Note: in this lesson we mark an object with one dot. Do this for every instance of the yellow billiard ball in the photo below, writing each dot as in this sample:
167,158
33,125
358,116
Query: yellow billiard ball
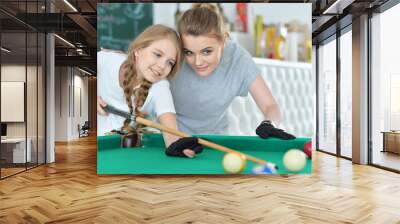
294,160
234,163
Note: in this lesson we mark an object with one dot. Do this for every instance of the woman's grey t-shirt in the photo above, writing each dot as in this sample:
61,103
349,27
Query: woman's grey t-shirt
201,102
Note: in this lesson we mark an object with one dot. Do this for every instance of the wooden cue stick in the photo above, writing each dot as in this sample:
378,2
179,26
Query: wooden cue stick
152,124
201,141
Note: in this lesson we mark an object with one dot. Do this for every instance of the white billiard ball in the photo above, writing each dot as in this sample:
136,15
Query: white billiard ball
294,160
234,163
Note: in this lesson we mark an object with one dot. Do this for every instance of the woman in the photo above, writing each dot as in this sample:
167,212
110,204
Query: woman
216,71
136,82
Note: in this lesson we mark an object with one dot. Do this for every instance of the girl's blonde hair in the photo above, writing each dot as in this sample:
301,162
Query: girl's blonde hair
203,19
128,68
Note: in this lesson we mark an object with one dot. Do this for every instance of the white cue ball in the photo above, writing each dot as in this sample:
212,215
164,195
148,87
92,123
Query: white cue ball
294,160
234,163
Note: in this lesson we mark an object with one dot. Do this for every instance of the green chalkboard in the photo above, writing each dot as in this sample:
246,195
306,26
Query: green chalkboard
119,23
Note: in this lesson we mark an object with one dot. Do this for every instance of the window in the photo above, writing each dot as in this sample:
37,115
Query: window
327,96
385,89
346,75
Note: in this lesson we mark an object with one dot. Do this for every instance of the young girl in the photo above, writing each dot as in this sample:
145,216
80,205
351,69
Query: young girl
216,71
137,83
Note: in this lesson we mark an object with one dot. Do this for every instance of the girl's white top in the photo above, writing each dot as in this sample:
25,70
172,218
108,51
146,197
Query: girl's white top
158,101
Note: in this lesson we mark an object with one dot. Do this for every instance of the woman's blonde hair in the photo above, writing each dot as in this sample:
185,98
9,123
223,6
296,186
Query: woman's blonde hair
203,19
128,67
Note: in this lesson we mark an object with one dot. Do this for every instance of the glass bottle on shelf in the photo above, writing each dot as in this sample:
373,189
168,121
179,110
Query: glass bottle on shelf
178,14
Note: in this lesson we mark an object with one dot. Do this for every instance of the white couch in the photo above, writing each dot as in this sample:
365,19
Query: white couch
292,85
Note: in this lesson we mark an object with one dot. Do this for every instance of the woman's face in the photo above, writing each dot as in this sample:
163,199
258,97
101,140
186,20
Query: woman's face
202,53
156,61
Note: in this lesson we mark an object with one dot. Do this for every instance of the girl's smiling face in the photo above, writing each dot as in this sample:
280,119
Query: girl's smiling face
156,61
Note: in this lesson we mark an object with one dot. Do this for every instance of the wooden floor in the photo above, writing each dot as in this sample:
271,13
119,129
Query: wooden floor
387,159
10,171
70,191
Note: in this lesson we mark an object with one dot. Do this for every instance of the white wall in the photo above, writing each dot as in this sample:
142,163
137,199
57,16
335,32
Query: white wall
80,83
61,83
14,73
13,101
163,13
33,126
67,115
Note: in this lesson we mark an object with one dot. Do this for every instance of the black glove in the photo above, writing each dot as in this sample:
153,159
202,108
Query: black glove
176,148
266,129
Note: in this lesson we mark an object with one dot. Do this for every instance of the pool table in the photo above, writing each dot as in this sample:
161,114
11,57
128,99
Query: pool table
150,158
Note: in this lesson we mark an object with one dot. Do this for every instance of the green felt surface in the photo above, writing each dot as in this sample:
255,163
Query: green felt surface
151,159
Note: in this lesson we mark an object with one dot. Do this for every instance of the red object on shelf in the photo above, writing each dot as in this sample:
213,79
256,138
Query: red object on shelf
241,9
